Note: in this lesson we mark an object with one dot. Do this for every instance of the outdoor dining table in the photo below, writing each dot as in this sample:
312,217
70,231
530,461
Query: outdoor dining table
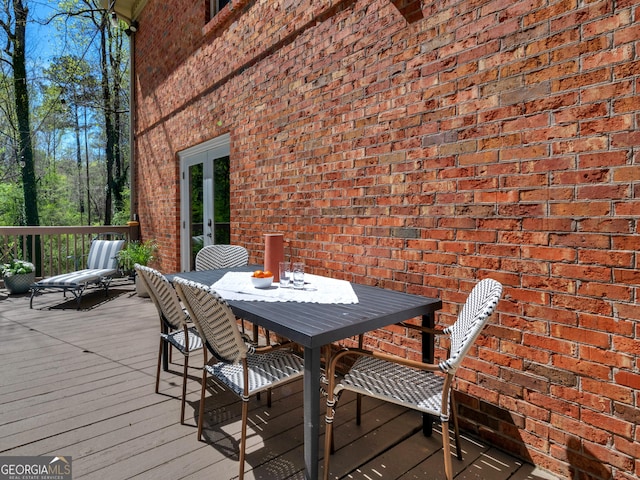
314,325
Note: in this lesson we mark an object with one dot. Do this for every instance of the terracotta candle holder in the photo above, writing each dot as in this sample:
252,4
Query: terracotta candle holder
273,253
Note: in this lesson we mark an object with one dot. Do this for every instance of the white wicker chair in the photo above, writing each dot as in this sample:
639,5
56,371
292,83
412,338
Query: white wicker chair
213,257
414,384
174,328
244,369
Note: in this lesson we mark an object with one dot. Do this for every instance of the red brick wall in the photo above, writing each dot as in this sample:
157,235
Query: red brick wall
421,153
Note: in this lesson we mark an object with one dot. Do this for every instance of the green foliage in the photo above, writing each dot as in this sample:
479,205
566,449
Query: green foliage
11,204
57,206
68,115
123,215
137,252
221,192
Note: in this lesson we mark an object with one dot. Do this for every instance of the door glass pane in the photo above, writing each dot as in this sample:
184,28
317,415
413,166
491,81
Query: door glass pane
221,206
196,196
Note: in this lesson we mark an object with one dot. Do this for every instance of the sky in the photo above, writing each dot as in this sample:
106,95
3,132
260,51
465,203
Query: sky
41,39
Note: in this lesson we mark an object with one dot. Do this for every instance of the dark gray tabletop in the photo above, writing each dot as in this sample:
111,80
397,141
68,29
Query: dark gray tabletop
313,325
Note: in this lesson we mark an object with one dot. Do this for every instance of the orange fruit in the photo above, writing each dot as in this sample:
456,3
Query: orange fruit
258,274
267,274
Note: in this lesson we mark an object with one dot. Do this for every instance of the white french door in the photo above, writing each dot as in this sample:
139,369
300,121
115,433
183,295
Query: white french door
204,198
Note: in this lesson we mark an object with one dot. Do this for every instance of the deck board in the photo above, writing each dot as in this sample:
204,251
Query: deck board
80,383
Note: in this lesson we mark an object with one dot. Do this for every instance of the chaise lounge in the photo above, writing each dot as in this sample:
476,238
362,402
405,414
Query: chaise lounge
102,265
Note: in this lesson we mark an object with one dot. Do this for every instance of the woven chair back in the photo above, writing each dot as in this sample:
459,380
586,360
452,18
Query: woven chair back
213,257
479,306
214,320
164,296
102,254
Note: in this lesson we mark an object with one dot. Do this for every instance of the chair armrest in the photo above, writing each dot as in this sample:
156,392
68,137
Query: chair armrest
433,331
273,346
77,260
359,352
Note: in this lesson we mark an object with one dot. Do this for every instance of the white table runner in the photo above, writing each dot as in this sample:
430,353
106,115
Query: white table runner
317,289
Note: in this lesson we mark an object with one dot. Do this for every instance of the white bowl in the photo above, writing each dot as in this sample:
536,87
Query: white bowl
262,282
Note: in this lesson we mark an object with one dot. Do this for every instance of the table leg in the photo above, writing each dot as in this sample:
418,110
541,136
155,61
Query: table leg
165,350
165,356
311,395
428,353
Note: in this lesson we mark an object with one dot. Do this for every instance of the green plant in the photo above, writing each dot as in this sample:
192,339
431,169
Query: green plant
137,252
16,267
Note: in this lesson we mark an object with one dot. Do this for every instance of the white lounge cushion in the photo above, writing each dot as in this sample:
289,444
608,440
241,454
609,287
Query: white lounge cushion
76,279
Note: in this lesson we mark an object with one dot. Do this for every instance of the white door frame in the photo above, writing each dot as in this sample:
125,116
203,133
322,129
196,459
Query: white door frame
211,149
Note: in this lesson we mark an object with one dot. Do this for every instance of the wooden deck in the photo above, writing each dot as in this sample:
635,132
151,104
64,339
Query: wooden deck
81,384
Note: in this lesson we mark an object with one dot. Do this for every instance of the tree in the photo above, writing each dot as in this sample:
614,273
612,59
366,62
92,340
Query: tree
9,171
14,25
118,72
111,65
73,77
113,60
83,90
52,119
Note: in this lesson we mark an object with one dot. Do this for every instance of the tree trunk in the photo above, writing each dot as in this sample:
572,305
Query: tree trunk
79,161
25,154
108,122
120,175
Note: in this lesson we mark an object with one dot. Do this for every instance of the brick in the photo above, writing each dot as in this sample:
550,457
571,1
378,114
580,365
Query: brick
627,447
544,312
595,192
591,305
606,225
607,159
549,253
580,336
610,258
553,375
584,399
631,276
580,145
630,312
581,367
575,209
619,89
598,451
604,357
581,240
626,207
579,429
525,352
605,324
555,405
548,224
469,139
584,461
627,413
627,345
613,292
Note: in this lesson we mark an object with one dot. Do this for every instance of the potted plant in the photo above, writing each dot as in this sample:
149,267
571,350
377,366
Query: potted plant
18,275
138,252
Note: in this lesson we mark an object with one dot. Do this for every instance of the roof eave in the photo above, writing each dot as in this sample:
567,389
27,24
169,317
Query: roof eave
127,10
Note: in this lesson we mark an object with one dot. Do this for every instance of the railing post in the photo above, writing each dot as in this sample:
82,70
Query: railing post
134,230
51,247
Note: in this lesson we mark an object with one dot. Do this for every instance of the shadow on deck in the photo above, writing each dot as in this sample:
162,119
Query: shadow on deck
81,384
